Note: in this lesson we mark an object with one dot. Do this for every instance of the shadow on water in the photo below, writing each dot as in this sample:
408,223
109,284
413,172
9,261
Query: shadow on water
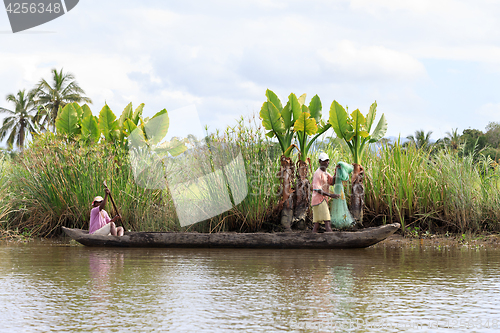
54,286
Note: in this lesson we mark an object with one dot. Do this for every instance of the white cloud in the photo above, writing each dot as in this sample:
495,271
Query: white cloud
371,62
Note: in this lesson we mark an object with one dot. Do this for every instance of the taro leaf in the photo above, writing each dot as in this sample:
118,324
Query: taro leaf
305,124
286,114
338,119
273,98
86,111
78,109
126,114
370,117
295,106
137,114
90,130
174,147
302,99
271,118
156,128
67,121
136,139
358,120
107,122
315,108
380,130
129,126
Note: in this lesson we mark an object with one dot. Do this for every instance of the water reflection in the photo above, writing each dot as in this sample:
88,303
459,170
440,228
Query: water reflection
184,290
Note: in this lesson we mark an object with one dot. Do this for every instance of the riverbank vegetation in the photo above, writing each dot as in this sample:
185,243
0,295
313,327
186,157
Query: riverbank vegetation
451,185
53,182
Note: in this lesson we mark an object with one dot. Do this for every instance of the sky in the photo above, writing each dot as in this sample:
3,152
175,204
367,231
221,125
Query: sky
429,65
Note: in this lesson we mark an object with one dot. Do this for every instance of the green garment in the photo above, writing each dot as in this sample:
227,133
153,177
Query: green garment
339,212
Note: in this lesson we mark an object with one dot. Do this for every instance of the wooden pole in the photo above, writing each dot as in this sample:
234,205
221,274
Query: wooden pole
113,202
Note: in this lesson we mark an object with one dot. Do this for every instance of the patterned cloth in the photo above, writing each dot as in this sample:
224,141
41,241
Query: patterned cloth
339,213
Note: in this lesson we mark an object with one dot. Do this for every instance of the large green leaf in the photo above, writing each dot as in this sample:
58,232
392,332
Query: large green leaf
358,121
295,106
315,108
286,114
380,130
305,124
338,120
302,99
271,118
67,121
107,122
370,117
126,114
129,126
273,98
136,139
78,109
137,114
86,111
174,147
90,129
156,128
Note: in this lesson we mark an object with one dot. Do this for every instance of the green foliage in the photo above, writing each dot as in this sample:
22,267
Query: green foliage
355,129
67,120
279,121
19,123
295,118
53,183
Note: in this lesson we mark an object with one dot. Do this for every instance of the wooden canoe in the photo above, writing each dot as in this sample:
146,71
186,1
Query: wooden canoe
279,240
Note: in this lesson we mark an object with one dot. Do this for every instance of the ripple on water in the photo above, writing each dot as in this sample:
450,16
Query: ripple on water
44,288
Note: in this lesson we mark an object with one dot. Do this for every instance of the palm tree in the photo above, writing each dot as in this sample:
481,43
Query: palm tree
421,140
453,139
20,122
63,90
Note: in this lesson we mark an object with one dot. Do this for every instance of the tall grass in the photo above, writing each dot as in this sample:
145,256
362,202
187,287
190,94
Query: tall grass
432,191
4,194
53,183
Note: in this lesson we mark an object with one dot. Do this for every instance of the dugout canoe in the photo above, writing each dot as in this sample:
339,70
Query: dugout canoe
278,240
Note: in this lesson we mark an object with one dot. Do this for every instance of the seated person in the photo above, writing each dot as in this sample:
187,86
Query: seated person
100,223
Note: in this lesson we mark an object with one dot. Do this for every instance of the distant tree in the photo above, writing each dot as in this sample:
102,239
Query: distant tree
421,139
19,123
474,140
453,139
62,89
493,134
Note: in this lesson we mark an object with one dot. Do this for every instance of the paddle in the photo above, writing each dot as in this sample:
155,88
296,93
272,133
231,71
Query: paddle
113,202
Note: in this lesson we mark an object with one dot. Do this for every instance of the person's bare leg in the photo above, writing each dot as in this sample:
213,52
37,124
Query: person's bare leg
120,231
328,226
113,228
316,227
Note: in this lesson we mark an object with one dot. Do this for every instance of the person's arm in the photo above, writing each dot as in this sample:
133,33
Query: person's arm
117,217
103,203
331,195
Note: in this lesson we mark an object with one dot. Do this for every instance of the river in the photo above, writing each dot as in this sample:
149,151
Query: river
59,286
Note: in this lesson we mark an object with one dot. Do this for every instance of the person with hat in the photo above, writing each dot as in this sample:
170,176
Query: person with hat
321,194
100,222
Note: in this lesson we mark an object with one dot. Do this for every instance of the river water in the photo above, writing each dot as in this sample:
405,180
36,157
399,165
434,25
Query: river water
59,286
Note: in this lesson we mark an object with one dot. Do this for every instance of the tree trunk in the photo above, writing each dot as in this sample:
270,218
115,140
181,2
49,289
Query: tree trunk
358,193
286,174
302,194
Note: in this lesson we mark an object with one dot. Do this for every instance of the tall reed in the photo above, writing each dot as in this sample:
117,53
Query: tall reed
53,184
4,193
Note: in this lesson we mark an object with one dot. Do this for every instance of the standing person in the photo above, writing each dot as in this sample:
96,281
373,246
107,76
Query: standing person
340,217
100,222
321,194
